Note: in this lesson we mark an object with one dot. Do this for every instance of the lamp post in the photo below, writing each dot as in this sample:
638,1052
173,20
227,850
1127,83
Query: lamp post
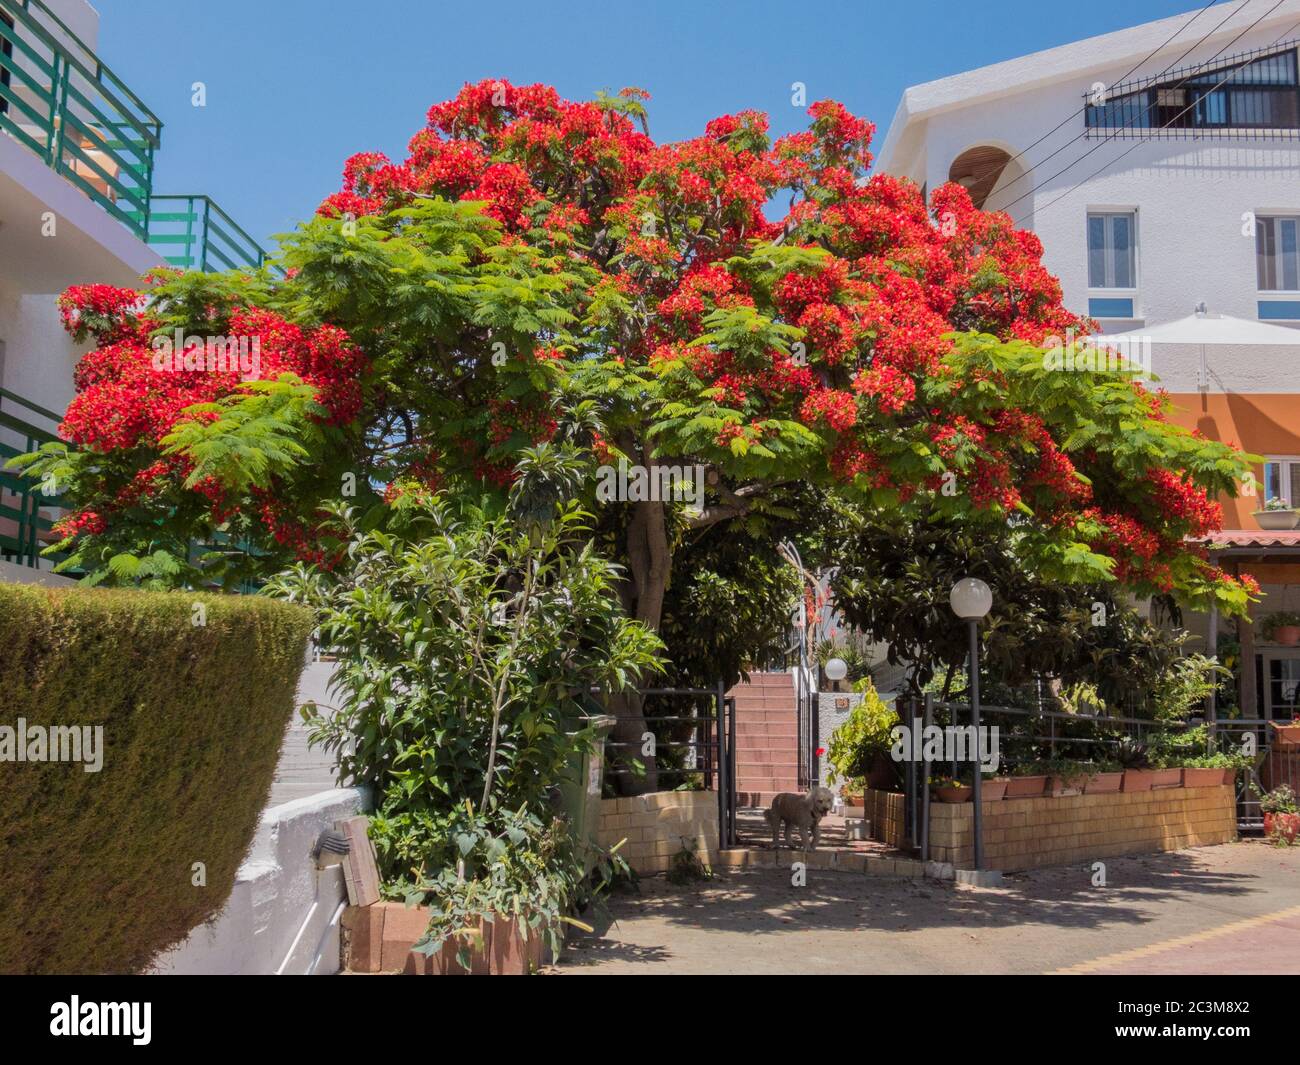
971,599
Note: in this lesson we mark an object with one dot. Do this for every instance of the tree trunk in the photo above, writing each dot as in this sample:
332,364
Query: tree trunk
649,562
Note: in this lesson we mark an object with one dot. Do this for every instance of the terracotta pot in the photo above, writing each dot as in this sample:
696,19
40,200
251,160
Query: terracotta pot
1166,778
960,793
994,788
1100,783
1287,635
1275,519
1201,778
854,798
1138,779
1285,735
1025,787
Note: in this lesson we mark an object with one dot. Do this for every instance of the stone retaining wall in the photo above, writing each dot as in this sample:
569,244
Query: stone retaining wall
1029,833
658,825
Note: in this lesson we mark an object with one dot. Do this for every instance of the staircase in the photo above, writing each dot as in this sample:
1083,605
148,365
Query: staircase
767,738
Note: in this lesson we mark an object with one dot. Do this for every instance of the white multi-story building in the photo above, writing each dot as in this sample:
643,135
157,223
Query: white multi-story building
1160,166
77,206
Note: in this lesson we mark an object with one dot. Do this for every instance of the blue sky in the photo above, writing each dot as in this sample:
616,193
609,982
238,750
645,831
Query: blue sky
296,86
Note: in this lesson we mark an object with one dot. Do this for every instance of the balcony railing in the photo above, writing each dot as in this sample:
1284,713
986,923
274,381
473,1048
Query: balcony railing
59,100
27,516
62,103
194,233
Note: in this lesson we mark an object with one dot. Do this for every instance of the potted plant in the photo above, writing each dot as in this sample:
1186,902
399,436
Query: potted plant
1028,785
1109,778
1277,514
859,750
1286,734
993,788
1065,776
1209,770
951,790
1281,814
1135,759
1281,627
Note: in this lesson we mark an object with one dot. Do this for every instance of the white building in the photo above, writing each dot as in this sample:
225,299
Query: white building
1160,166
77,206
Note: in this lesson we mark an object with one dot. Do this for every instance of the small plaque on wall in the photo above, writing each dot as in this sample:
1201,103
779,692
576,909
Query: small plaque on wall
841,702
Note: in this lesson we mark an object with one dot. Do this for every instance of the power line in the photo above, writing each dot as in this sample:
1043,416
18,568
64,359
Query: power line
1127,125
1119,80
1166,125
1170,66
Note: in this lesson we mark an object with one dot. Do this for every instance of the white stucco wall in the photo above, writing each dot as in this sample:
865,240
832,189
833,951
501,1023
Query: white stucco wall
283,916
1190,195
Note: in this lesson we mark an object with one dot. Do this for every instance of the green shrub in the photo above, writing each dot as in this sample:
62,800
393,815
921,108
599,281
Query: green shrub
863,737
97,868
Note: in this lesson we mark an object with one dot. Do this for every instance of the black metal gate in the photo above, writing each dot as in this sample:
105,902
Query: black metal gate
702,745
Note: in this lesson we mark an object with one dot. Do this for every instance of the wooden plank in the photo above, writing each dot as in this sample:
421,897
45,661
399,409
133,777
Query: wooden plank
359,868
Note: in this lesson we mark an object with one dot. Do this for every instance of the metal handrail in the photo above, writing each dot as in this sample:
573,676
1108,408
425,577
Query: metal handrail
109,155
206,235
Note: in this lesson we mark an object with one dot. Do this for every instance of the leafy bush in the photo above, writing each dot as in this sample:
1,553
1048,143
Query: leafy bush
862,738
97,867
466,642
1281,800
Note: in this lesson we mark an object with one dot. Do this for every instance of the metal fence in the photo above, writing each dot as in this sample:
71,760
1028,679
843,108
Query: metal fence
27,515
694,748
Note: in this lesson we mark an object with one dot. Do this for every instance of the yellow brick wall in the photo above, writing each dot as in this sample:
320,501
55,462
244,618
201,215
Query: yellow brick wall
884,809
1029,833
658,825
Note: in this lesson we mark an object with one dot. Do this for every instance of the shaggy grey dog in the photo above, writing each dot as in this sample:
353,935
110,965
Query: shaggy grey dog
804,812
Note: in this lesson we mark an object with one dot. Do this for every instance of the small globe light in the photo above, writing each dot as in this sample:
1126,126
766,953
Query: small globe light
970,598
836,669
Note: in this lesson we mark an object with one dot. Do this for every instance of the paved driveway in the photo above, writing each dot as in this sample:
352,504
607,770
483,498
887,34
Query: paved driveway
1227,909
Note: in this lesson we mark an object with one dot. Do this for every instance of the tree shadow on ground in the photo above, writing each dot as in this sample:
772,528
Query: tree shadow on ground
764,901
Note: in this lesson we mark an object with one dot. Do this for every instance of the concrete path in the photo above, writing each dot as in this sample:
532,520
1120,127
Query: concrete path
1227,909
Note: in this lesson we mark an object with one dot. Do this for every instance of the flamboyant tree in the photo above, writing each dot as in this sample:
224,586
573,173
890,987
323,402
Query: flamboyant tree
541,270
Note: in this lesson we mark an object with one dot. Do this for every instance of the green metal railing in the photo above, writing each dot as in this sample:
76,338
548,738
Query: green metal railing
26,518
59,100
194,233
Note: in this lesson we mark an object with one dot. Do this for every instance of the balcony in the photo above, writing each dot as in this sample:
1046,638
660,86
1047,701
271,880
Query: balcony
26,516
60,102
194,233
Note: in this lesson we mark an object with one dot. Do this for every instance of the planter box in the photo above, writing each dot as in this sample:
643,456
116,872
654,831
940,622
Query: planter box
994,789
1287,635
380,937
1103,782
1285,735
1275,519
1058,786
1166,778
1138,779
1025,787
1201,778
1229,777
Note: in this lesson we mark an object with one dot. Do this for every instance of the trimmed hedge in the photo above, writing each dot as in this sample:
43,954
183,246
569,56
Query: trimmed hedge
96,868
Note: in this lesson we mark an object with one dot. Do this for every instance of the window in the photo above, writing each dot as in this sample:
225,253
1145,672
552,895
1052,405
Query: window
1282,480
1248,93
1277,257
1112,251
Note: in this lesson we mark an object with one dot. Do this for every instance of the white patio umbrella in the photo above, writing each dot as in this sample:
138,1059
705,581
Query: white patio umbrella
1202,330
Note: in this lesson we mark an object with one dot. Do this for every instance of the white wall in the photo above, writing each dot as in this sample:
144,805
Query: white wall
283,916
1190,195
